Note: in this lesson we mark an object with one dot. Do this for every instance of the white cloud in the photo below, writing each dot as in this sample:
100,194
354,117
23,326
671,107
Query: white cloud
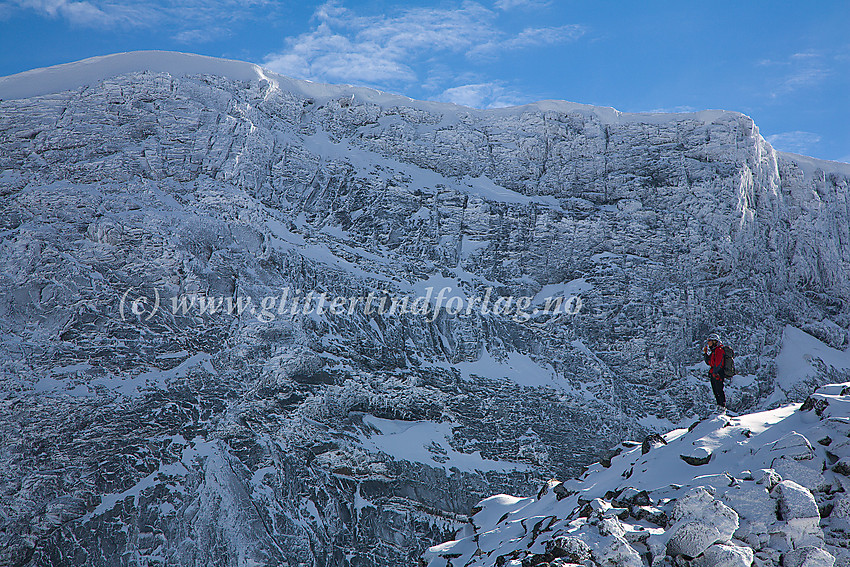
326,55
6,10
185,15
798,71
201,35
482,95
798,142
388,51
531,37
809,75
92,14
380,49
511,4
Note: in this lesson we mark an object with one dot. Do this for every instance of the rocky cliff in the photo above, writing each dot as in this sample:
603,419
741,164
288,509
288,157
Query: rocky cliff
139,433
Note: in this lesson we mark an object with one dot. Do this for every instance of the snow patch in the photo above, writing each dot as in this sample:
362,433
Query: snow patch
427,442
799,349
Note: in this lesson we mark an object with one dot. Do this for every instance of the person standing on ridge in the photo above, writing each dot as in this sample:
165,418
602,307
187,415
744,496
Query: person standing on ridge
714,357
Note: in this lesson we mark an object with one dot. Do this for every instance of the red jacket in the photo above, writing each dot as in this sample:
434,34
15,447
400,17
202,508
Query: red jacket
715,362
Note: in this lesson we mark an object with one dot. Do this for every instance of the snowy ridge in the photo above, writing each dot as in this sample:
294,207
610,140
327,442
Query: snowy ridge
86,72
770,488
810,164
70,76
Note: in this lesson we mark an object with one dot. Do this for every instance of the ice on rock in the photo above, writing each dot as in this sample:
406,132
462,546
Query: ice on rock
699,504
631,496
768,478
611,526
650,441
830,403
569,548
697,456
839,518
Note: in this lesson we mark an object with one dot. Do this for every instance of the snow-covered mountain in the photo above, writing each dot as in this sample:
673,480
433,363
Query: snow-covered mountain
175,437
769,488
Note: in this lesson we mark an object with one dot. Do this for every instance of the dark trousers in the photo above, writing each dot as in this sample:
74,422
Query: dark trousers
717,388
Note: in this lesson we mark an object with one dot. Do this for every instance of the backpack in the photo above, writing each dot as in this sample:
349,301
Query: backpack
728,362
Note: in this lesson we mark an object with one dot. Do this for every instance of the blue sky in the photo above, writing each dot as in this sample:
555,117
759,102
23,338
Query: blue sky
786,64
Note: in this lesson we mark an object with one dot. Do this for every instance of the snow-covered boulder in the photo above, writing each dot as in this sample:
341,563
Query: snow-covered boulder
700,520
725,555
693,538
808,556
795,502
756,511
569,548
697,456
805,473
794,446
616,552
800,517
751,501
700,505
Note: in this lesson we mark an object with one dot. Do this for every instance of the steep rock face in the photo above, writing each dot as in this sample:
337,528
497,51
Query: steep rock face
177,436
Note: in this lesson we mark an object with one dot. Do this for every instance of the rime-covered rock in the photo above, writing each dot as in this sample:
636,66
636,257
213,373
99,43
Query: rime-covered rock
699,504
808,557
725,555
793,446
616,552
756,512
805,473
794,501
570,549
700,520
799,511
